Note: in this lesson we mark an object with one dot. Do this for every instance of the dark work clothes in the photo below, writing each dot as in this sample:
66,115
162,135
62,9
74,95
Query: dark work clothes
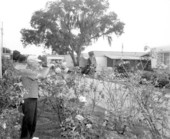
91,66
29,108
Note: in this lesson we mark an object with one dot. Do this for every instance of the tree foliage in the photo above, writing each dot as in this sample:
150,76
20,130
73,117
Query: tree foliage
17,56
68,26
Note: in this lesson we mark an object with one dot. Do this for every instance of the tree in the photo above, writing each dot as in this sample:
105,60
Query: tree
17,56
69,26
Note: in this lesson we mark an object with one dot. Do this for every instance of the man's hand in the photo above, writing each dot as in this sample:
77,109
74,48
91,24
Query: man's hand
51,65
44,72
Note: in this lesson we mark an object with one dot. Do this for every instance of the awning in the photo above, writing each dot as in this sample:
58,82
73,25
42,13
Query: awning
124,57
162,49
55,57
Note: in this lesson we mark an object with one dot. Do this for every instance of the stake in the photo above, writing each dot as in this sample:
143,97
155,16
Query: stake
1,46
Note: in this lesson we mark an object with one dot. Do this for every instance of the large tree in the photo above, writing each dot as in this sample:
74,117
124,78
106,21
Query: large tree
69,26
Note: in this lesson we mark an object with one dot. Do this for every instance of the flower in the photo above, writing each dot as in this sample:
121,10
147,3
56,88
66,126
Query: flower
106,112
82,99
88,125
4,125
79,117
18,84
63,82
11,98
66,70
64,63
56,82
58,70
48,76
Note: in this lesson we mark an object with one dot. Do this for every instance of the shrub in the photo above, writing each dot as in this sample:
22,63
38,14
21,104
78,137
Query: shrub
114,109
142,109
10,98
17,56
157,78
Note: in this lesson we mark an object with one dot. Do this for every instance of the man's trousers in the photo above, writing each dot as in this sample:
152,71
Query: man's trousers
29,108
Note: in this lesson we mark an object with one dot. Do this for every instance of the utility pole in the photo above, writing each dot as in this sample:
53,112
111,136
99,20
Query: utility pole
122,49
1,48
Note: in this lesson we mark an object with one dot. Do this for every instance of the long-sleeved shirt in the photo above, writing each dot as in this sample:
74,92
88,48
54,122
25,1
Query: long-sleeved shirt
31,87
29,80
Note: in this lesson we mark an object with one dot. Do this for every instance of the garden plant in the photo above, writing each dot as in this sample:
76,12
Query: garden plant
104,106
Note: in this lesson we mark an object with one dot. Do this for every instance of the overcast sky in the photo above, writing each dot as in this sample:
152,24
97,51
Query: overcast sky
147,23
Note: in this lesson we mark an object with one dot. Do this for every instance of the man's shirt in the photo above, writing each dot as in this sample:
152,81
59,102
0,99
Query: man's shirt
30,83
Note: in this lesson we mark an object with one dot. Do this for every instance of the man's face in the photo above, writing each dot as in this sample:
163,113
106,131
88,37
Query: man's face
33,62
35,65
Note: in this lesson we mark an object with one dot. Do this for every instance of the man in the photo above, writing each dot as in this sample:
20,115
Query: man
91,64
30,72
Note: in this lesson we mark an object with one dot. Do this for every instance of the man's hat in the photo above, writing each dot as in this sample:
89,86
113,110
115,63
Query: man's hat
33,61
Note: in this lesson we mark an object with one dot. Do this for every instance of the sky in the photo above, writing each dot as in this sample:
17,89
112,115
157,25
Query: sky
147,22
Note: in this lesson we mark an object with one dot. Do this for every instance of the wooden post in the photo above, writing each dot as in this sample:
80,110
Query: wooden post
1,46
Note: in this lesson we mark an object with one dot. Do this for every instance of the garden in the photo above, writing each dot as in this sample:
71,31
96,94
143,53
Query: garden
74,106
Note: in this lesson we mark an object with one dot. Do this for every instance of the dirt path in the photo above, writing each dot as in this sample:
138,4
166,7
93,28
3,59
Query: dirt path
46,128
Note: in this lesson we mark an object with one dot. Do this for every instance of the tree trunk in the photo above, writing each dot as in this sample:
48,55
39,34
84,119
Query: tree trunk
74,59
78,52
78,58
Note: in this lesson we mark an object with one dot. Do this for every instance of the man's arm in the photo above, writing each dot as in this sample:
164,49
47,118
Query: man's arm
34,74
43,73
27,73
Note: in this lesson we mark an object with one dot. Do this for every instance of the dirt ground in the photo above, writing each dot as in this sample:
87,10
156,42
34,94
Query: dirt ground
46,129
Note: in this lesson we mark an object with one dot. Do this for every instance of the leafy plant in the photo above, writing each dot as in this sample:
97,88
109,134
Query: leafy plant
108,107
11,92
141,109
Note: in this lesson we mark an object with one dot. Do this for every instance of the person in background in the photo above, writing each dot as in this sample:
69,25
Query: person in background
91,64
30,71
92,60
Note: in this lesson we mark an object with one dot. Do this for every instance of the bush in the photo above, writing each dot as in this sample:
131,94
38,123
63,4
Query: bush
127,108
122,69
11,92
158,79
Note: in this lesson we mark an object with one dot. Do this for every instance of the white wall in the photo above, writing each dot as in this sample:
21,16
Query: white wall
68,60
156,55
101,62
154,63
83,61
